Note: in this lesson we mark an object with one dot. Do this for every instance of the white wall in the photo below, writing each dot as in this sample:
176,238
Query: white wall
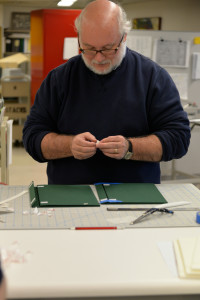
7,13
177,15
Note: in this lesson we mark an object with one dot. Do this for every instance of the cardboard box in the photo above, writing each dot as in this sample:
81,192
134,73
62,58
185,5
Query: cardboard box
16,110
17,132
13,61
15,89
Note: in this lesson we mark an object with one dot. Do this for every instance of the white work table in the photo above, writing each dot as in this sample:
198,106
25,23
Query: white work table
96,264
102,263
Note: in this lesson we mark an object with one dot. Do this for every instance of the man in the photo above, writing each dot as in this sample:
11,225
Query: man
108,114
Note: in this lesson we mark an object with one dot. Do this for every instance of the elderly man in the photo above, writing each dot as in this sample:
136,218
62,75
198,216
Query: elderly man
108,114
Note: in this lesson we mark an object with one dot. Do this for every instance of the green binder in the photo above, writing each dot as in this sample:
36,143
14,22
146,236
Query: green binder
131,193
62,195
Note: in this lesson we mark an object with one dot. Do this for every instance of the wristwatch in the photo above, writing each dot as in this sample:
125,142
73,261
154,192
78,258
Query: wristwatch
129,153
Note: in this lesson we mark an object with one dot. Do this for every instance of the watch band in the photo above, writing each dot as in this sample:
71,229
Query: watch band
129,153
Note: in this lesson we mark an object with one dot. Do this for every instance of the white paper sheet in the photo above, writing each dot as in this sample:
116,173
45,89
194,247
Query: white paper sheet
170,53
70,48
167,251
181,82
196,65
9,142
140,44
195,263
187,256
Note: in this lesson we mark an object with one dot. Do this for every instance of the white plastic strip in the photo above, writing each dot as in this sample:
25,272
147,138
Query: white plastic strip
14,197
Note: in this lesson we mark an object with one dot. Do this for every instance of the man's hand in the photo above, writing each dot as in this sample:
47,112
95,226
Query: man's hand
114,146
83,145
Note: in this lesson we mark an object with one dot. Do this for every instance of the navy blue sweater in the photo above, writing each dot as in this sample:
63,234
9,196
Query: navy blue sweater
137,99
1,275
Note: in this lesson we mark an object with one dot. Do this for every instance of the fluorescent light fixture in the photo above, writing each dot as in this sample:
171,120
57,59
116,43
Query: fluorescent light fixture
66,2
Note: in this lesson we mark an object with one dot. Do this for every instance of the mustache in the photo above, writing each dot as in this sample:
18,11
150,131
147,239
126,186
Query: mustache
101,63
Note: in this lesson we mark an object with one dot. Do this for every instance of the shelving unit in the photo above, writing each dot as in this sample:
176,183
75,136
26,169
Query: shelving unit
16,40
16,94
0,41
3,152
16,90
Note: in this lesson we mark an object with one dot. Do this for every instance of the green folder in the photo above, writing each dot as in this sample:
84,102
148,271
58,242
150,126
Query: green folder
62,195
131,193
82,195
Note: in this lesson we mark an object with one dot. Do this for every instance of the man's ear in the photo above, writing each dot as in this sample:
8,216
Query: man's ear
125,36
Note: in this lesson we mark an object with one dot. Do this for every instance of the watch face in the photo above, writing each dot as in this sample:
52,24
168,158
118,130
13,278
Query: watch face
128,155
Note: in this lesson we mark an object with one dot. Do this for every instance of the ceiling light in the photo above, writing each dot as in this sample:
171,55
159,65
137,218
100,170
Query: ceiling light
66,2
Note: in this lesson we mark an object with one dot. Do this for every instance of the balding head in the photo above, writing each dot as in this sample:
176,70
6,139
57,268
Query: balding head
103,13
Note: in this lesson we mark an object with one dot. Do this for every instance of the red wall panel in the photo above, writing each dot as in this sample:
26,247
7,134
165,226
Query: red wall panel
49,27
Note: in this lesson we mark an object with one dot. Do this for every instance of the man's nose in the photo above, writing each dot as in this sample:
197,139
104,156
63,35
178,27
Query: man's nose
99,56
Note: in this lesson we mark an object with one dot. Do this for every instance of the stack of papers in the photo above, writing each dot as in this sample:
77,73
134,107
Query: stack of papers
187,252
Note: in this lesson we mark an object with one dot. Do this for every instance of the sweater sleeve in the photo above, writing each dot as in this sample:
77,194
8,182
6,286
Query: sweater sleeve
42,117
167,118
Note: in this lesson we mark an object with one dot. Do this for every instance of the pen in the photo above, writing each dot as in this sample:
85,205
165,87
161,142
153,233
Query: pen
94,228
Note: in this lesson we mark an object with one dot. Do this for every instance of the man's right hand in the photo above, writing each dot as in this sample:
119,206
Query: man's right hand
80,146
83,145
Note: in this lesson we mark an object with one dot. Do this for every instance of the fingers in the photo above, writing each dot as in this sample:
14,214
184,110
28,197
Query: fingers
113,146
83,145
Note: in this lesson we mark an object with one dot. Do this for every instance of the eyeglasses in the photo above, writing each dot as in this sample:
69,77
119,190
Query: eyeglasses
104,52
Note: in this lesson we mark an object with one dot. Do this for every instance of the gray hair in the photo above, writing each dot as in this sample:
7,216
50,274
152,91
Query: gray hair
124,23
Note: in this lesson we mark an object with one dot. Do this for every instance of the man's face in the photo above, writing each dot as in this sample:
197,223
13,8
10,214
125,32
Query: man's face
102,63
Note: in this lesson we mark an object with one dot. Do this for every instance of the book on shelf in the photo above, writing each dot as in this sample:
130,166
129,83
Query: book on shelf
18,45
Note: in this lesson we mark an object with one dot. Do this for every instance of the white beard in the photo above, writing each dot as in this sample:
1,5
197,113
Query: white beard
113,64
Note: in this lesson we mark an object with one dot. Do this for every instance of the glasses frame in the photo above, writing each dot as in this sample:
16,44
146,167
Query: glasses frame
100,51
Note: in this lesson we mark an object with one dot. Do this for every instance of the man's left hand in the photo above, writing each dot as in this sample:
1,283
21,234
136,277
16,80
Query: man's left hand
113,146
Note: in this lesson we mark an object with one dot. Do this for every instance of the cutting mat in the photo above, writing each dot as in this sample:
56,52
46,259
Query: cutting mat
25,217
